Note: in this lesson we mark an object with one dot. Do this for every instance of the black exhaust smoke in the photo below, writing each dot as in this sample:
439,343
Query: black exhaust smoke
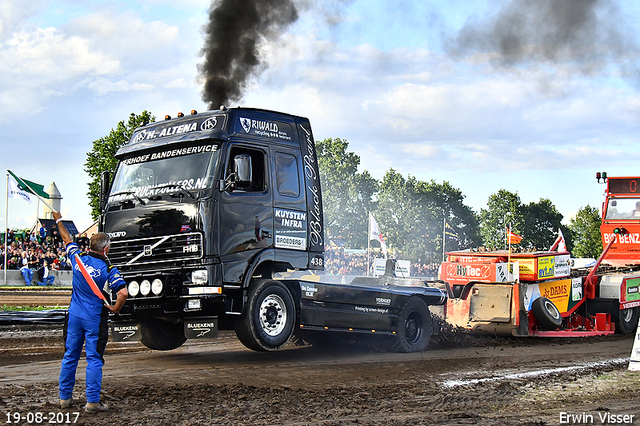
588,34
231,53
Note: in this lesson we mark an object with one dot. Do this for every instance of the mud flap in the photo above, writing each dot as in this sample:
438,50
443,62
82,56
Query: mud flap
201,328
125,331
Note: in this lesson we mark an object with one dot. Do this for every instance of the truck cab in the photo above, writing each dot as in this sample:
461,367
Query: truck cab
202,211
621,220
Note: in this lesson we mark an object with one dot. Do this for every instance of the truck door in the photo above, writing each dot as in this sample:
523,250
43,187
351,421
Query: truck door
246,214
289,207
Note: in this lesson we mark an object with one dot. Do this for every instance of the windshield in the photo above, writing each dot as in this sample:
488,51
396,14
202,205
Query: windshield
623,208
185,169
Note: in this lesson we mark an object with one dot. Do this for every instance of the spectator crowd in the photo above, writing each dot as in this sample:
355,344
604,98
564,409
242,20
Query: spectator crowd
43,249
36,254
338,262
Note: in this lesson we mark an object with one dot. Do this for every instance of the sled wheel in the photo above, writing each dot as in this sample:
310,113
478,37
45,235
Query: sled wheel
628,320
268,318
161,335
546,313
414,327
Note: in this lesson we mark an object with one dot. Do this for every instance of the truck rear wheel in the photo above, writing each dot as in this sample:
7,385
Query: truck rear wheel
546,313
161,335
628,320
414,327
268,318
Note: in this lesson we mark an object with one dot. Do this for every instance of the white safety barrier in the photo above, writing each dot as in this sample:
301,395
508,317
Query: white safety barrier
634,360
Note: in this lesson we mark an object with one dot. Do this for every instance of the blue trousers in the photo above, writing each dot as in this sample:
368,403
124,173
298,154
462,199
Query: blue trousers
94,336
27,274
47,280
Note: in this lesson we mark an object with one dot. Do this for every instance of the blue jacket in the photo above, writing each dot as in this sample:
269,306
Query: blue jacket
84,303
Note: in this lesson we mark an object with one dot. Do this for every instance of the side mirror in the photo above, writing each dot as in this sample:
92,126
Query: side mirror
242,169
105,187
242,175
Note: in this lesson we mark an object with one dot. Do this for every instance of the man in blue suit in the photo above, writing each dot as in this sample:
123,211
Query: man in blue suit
88,314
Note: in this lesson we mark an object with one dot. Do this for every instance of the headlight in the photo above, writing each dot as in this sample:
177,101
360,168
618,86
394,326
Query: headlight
193,304
134,288
145,287
200,277
156,287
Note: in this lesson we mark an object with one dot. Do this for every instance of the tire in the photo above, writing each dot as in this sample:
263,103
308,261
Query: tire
546,313
162,335
414,327
628,320
269,315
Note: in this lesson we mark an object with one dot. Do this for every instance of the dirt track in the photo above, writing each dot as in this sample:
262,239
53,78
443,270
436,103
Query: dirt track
221,382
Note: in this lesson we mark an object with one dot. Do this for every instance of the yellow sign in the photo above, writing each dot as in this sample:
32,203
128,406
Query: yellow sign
558,292
546,267
528,269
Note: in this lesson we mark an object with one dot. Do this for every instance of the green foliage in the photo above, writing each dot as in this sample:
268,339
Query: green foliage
411,215
448,203
409,212
7,308
542,221
347,194
504,209
585,230
403,224
102,156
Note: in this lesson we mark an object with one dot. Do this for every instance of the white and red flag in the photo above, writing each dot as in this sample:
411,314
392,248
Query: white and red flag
375,234
559,244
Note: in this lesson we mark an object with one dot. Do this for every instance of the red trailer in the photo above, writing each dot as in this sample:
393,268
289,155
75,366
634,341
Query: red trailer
541,294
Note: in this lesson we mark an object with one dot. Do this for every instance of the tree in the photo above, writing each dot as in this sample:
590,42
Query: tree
404,224
411,214
448,203
585,230
542,221
347,195
504,209
102,156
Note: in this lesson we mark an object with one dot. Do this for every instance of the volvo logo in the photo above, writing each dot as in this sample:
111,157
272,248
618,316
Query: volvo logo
148,251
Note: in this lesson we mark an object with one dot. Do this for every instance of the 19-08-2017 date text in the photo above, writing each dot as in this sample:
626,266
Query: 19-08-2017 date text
42,418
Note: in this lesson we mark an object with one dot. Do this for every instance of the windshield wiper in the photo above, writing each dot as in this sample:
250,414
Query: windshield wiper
173,185
140,200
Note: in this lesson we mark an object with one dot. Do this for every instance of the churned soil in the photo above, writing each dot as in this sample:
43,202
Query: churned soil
462,379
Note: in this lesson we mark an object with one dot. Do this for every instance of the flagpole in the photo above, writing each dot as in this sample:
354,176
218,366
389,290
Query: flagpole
6,230
509,240
368,241
444,236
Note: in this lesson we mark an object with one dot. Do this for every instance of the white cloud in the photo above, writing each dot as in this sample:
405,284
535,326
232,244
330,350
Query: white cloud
177,83
14,13
424,151
48,55
126,36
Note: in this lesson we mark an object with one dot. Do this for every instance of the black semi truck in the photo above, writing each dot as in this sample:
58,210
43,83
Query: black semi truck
205,212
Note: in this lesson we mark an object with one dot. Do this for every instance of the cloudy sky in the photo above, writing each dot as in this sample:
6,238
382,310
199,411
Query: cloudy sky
532,97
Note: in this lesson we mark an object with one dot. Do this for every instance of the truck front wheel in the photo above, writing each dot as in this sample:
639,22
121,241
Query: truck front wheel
414,327
628,320
268,318
162,335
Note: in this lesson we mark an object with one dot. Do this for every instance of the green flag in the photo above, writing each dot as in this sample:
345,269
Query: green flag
30,187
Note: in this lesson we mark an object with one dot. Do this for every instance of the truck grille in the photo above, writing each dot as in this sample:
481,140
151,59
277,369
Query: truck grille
168,248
